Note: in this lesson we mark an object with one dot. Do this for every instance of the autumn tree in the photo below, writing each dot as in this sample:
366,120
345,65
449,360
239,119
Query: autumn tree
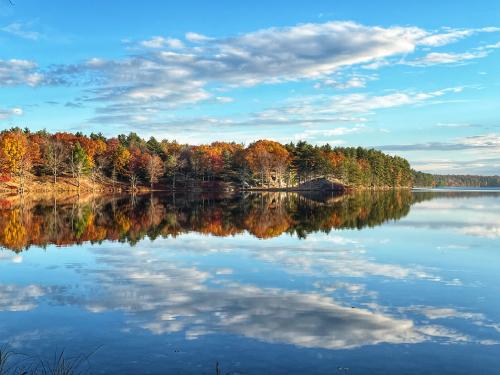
95,148
269,160
154,168
134,167
224,158
55,156
118,157
15,156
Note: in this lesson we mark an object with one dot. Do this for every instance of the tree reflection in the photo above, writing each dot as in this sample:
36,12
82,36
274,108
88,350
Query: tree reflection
130,219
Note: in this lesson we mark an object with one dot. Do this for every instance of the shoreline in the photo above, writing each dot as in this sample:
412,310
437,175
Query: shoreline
68,185
182,190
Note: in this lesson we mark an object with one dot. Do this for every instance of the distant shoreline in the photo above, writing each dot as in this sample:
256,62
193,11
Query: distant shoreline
459,188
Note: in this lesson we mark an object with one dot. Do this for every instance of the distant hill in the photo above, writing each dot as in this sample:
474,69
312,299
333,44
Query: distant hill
421,179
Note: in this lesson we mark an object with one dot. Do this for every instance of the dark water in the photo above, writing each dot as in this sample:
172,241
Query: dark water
372,283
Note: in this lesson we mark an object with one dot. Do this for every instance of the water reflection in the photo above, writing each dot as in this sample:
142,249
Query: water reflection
164,297
410,288
75,220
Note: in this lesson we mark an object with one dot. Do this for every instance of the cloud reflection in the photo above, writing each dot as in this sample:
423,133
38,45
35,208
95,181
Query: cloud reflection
162,297
19,298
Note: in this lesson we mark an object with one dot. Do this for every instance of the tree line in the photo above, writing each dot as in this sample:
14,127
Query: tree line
422,179
135,161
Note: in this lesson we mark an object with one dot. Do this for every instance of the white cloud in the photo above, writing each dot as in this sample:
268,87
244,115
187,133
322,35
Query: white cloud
170,74
307,51
360,103
453,125
377,64
19,30
485,166
161,42
435,58
224,271
7,113
354,81
321,115
320,134
197,38
478,154
483,141
448,37
224,99
491,140
345,108
19,72
493,46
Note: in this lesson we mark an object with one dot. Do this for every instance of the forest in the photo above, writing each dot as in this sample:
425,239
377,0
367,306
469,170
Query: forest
130,161
422,179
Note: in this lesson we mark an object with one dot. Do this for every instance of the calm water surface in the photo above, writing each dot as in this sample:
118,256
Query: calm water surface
386,283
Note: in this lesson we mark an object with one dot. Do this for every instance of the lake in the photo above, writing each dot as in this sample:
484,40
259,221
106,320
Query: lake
395,282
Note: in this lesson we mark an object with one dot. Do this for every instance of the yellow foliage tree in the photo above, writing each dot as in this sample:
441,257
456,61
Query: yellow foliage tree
15,156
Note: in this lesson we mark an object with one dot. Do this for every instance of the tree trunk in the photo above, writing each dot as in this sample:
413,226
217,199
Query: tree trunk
21,184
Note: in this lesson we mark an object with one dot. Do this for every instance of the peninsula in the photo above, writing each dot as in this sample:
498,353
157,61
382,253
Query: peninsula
44,162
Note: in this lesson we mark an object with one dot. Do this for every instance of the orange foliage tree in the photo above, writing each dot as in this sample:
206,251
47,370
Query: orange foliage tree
269,160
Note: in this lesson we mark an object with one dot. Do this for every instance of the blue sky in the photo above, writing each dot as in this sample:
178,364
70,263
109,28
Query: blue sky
417,79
